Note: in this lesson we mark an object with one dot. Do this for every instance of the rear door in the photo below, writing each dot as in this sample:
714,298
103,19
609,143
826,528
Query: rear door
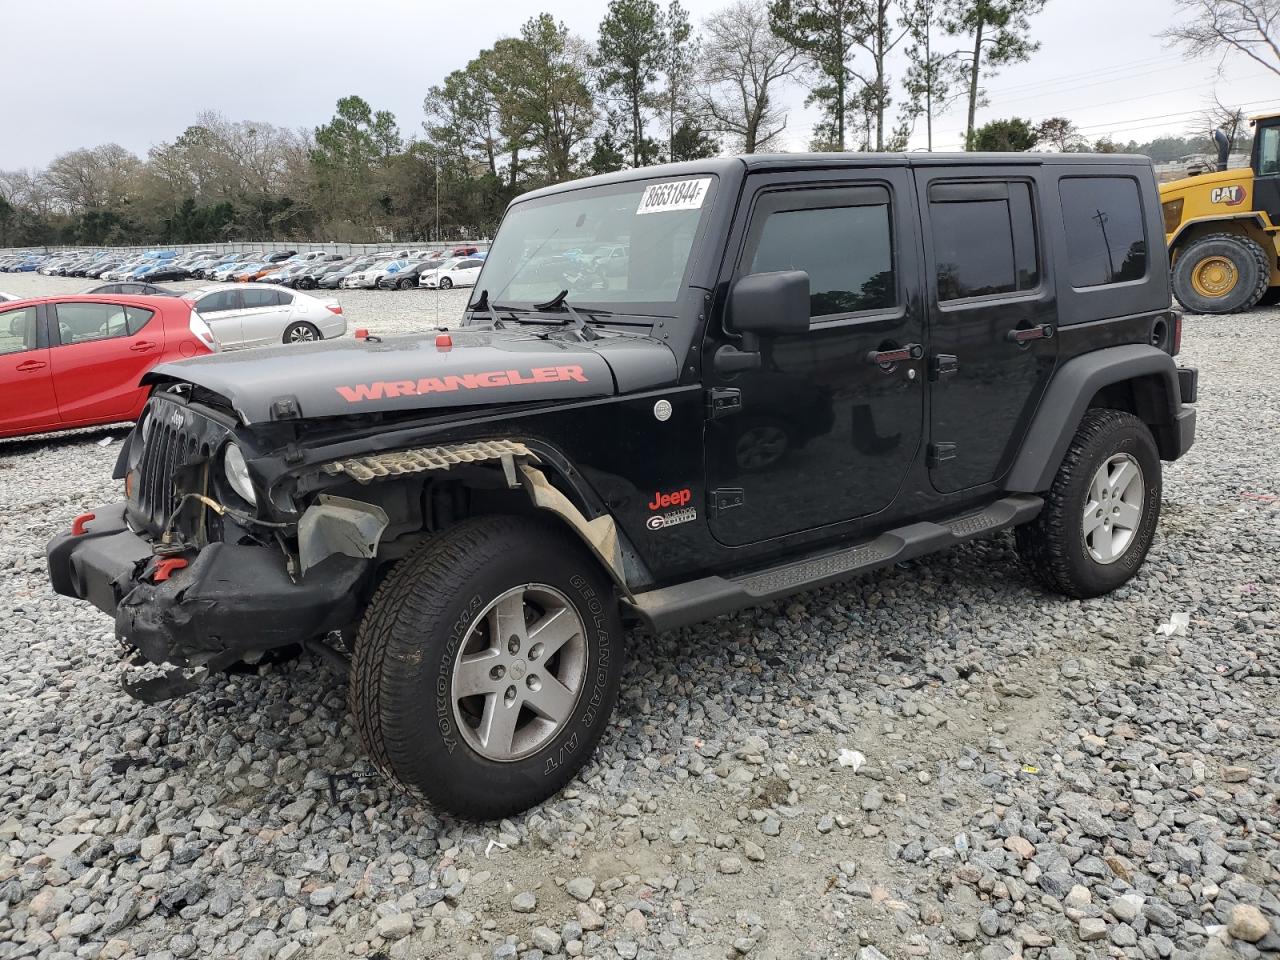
99,352
221,311
27,401
265,315
823,431
992,318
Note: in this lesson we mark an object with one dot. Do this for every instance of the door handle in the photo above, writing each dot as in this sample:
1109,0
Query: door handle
886,358
142,346
1024,334
28,365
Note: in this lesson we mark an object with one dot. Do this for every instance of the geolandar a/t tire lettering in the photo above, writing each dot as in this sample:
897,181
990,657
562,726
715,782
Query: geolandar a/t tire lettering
487,666
1101,512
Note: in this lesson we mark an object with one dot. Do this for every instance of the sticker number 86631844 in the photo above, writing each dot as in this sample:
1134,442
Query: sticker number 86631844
673,195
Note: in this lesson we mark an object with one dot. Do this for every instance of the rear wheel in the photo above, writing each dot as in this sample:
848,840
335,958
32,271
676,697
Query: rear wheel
301,332
1101,512
1222,273
487,666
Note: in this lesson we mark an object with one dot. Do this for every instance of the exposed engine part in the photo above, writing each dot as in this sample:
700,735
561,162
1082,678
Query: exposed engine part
338,525
421,459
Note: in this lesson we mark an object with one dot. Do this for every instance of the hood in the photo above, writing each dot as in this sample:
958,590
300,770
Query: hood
1240,176
403,374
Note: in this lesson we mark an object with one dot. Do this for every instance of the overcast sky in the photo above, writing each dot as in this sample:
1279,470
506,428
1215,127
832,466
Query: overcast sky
80,73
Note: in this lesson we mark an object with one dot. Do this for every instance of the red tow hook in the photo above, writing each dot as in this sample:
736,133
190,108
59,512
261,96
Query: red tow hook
165,566
77,525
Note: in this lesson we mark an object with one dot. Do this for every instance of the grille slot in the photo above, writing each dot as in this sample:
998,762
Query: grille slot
171,444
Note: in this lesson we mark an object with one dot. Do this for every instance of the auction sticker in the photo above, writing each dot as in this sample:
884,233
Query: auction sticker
674,195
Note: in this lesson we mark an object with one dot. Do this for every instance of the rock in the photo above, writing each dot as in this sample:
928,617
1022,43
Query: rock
1235,774
1247,923
1092,928
965,931
546,939
753,851
581,888
730,865
1020,848
1079,896
526,902
588,919
1126,908
397,926
297,811
872,800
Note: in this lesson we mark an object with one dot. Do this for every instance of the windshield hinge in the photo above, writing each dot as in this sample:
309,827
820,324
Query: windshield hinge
723,401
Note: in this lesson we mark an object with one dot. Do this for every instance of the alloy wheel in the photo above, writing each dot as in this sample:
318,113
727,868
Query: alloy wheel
1113,512
519,672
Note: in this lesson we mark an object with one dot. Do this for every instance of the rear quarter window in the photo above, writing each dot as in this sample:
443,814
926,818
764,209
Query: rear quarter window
1104,223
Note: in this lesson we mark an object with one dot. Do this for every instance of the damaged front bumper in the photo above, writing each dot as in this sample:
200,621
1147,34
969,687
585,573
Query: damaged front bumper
225,602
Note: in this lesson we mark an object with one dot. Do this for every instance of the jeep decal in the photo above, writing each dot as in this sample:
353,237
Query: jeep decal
380,389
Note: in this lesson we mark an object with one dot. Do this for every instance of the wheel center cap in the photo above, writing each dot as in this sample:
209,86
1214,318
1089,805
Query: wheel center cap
518,670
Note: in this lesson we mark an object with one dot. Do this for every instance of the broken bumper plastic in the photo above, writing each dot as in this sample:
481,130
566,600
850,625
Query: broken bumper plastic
227,599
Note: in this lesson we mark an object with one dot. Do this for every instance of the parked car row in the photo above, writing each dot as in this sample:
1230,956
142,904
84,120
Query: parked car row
308,270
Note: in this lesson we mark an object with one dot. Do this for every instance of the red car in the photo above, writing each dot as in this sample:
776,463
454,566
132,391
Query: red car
76,361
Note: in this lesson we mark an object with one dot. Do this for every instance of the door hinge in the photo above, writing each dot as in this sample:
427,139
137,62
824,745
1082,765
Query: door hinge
943,365
723,401
941,452
726,498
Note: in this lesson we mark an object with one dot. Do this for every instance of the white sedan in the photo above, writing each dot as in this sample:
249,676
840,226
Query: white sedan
8,296
253,316
459,272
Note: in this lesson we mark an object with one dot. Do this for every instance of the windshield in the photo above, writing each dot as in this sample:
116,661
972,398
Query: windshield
548,244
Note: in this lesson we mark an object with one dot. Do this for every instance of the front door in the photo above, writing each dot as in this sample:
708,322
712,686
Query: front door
992,319
826,428
1266,168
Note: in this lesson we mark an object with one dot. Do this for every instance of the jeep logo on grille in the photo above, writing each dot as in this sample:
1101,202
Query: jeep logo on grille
176,419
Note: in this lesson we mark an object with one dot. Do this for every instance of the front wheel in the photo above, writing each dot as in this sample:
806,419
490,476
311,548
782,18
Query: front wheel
487,666
1101,512
404,283
301,332
445,283
1222,273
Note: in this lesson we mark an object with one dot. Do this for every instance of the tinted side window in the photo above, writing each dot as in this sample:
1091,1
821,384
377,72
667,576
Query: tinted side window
984,239
252,299
1106,239
136,318
222,300
17,330
81,322
847,252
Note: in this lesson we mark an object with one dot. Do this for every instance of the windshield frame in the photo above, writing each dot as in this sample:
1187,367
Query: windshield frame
657,309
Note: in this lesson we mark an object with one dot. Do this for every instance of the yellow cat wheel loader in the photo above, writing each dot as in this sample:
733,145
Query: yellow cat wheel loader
1223,228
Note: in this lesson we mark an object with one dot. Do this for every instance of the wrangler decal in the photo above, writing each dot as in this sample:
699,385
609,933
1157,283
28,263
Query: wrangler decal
453,382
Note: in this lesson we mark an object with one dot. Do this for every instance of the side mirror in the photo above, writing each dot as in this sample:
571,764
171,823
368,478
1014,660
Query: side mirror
775,303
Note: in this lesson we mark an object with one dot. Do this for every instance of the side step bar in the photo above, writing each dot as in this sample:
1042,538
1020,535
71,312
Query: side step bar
677,606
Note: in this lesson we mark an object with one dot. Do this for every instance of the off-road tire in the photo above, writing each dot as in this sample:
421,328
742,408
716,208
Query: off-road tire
1249,260
406,649
1053,544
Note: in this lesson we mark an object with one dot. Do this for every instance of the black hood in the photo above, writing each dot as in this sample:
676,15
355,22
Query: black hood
401,374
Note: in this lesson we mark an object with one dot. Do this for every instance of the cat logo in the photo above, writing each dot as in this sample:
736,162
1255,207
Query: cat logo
1231,196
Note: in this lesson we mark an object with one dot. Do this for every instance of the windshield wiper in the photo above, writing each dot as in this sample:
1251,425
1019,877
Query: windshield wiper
561,302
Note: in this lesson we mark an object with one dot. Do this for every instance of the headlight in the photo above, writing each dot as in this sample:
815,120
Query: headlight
237,472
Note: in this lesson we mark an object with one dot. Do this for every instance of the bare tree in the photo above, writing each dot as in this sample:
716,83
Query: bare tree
744,64
94,178
1215,28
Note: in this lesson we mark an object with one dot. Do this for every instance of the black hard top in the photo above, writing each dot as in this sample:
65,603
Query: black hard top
768,162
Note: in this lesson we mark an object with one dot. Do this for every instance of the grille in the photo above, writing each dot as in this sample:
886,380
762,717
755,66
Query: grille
172,443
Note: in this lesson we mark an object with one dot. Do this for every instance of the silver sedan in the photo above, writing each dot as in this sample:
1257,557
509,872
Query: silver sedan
254,316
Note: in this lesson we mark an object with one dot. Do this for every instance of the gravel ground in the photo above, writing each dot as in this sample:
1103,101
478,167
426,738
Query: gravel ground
936,761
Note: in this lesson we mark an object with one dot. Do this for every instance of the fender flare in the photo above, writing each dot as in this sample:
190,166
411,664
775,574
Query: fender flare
1073,388
1217,218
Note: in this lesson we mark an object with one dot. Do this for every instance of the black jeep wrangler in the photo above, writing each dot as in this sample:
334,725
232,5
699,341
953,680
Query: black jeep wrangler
806,367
